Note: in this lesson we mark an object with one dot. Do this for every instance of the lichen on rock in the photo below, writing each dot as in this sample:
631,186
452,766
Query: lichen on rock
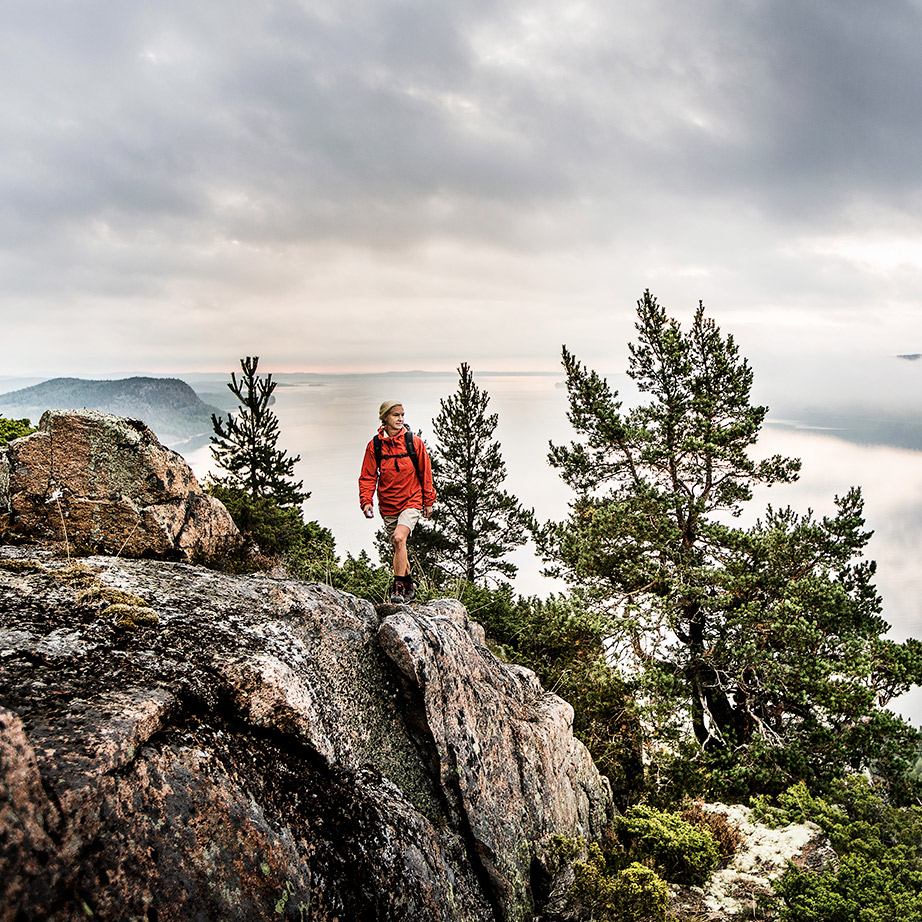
763,854
268,749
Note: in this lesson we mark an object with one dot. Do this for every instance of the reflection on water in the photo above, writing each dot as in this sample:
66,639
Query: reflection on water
328,420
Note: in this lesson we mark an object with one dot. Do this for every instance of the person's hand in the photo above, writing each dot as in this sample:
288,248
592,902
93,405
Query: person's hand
369,511
427,511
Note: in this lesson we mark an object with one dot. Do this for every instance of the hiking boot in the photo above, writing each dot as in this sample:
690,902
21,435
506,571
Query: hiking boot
397,593
409,590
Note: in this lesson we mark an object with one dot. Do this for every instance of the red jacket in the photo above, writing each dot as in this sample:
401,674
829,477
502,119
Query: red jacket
397,483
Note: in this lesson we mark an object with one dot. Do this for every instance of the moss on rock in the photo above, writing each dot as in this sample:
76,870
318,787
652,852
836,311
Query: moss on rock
20,564
100,593
77,574
132,617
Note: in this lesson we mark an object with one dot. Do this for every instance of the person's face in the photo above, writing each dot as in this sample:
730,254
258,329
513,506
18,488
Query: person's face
394,420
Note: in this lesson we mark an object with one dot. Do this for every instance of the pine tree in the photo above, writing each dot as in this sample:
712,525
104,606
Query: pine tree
246,445
475,523
766,642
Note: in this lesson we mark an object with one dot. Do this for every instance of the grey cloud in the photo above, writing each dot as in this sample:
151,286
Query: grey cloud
308,123
140,140
825,109
320,119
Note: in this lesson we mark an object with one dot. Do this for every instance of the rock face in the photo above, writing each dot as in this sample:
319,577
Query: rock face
105,483
177,744
509,766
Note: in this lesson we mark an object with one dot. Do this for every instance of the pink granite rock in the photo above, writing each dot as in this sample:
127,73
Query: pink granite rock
105,483
508,762
264,748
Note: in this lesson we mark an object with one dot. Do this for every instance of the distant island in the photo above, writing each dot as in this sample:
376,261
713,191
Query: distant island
178,416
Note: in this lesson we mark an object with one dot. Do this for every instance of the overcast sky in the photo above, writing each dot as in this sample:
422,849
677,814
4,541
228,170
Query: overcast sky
406,184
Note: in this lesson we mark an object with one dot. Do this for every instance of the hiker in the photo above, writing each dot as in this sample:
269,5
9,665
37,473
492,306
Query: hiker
396,464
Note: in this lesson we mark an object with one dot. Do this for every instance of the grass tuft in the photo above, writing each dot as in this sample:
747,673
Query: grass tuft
132,617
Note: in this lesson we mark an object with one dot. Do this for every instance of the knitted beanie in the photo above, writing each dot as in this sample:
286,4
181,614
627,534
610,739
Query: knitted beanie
386,408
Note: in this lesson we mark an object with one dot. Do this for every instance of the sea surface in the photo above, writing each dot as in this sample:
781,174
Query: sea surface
329,419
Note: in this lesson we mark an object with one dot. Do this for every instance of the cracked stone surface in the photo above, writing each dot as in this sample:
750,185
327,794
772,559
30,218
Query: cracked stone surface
265,748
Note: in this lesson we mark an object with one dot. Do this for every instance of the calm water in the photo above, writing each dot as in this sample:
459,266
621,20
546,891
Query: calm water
328,420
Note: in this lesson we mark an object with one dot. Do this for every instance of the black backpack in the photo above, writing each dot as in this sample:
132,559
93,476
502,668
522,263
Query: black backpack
410,452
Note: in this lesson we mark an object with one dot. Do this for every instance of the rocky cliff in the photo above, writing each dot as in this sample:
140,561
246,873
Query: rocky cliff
178,744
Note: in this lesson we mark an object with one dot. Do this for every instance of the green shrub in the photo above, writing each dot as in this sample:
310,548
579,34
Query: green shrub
634,894
879,845
682,852
13,429
862,890
312,554
640,894
915,773
279,535
736,774
363,579
562,851
274,529
275,535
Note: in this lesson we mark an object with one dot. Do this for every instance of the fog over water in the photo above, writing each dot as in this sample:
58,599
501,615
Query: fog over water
328,420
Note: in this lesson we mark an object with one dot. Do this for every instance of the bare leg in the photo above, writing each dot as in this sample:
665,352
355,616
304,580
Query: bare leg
401,560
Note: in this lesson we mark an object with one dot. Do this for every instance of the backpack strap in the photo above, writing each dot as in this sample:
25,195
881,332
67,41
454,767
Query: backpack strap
409,444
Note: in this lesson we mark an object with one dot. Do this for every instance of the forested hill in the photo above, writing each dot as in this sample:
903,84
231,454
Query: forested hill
169,406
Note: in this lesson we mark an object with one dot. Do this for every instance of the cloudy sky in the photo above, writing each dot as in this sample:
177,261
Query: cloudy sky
397,184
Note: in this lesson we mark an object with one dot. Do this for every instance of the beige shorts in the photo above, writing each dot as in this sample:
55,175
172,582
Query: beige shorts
408,517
